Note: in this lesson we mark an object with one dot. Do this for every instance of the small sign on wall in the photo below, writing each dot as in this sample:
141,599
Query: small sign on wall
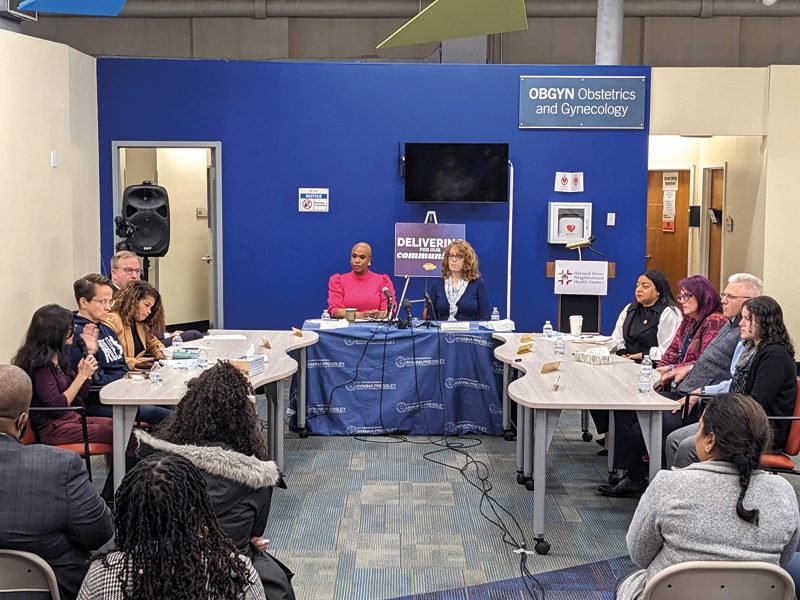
670,181
313,199
668,211
569,182
583,277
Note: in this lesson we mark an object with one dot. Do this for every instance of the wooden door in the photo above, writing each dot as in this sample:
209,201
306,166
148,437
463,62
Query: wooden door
715,202
668,251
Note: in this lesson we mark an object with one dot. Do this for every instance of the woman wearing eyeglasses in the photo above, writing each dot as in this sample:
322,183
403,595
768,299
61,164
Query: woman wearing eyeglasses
460,295
44,357
137,316
360,288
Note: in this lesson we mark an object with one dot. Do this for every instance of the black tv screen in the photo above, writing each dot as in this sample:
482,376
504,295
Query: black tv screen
456,172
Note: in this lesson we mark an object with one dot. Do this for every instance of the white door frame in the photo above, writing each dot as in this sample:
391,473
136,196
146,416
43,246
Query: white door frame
705,234
214,211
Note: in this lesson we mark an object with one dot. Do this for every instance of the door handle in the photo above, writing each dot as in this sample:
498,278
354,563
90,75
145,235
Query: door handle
206,259
648,257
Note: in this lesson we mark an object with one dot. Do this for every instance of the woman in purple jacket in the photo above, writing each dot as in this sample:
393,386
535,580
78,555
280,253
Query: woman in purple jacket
44,356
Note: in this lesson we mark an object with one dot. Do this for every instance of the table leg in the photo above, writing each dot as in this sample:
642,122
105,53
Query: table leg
521,441
301,393
610,436
506,404
527,458
541,420
276,425
122,425
650,423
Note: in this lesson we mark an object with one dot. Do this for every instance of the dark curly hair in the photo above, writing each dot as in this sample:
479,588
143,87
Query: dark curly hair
741,434
172,544
768,318
126,303
216,408
50,327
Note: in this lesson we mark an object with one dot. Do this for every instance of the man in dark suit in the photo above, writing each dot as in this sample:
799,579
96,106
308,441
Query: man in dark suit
49,506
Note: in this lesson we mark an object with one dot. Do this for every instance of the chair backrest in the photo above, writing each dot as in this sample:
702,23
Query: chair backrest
26,572
792,447
29,436
720,579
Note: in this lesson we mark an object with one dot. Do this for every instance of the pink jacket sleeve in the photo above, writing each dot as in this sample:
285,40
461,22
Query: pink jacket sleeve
335,293
387,282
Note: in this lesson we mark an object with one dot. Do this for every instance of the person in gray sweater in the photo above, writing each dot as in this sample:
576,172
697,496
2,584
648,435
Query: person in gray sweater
721,508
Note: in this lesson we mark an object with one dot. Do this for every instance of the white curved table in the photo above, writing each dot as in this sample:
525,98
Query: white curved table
581,386
125,395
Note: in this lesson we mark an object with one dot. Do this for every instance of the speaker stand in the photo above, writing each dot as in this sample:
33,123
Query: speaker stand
146,268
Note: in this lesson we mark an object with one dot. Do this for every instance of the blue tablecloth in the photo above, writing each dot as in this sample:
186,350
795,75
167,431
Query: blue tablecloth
370,378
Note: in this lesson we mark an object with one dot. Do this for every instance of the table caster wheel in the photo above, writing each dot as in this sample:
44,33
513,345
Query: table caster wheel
509,436
304,432
529,484
587,437
542,547
521,478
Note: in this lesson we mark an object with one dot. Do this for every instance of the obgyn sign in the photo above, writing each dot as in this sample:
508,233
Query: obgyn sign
544,93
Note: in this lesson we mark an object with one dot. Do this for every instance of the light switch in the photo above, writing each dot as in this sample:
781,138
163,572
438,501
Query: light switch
53,158
611,219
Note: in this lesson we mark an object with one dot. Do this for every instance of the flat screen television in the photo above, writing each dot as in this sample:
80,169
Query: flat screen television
456,172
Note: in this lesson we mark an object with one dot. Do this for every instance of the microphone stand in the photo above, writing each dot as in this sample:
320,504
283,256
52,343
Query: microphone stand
429,305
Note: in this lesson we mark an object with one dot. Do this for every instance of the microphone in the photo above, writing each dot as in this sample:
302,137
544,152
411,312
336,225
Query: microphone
85,351
389,304
407,308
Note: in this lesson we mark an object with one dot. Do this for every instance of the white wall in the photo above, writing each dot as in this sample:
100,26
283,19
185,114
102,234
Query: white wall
50,227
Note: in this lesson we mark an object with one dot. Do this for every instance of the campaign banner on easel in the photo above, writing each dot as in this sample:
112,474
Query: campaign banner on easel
581,277
418,247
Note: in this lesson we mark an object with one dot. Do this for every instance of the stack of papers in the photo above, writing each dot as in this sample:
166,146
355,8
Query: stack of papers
179,364
501,325
252,366
333,323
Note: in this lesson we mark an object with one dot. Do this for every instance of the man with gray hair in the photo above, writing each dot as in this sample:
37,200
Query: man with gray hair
712,368
50,507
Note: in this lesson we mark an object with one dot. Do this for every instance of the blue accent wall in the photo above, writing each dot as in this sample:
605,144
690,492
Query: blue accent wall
289,125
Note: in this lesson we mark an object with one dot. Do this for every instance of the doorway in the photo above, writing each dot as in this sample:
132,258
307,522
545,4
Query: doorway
668,194
190,275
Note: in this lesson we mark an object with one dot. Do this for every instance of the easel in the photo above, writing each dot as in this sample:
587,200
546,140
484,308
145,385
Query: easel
430,217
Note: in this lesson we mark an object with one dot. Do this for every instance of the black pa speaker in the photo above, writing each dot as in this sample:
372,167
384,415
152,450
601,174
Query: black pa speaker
146,207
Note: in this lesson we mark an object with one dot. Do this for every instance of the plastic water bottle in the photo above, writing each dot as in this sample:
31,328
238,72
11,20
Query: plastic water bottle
643,384
202,358
495,314
647,366
177,341
325,315
156,376
560,346
547,330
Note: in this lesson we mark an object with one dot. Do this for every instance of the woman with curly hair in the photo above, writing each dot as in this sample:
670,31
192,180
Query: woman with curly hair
460,295
762,367
137,317
169,543
215,427
721,508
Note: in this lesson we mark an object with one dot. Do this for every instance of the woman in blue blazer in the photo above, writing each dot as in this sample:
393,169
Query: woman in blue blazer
460,295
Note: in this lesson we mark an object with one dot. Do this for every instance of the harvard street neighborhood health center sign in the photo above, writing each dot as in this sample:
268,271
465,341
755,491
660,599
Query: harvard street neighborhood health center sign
581,102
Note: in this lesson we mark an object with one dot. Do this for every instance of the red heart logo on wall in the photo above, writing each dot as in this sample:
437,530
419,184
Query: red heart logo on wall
570,228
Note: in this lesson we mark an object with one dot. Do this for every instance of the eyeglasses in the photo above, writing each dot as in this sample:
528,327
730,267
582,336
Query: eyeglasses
684,296
102,302
456,256
130,271
725,296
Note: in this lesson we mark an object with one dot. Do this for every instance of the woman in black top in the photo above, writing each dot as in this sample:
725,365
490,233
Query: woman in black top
767,373
651,320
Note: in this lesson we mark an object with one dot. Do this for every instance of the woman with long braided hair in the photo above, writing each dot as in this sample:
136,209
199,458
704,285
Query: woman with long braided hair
169,543
216,428
721,508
